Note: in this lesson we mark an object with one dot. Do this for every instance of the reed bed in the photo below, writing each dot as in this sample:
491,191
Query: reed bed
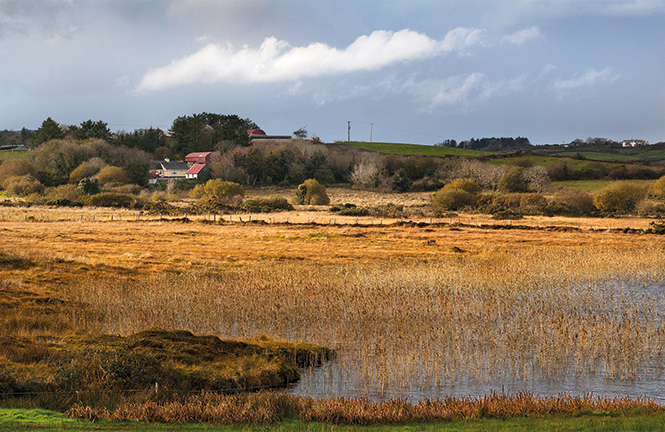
271,407
536,313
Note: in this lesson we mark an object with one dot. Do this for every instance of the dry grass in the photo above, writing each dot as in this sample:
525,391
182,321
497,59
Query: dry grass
404,306
495,315
270,408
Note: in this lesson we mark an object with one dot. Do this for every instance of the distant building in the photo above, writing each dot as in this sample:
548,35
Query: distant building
258,134
198,171
198,158
168,169
634,143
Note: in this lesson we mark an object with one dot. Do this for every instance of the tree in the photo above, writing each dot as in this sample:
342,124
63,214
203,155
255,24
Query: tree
90,129
300,133
148,140
49,130
538,177
205,131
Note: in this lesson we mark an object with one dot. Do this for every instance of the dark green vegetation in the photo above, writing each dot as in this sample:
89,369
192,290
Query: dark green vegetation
107,368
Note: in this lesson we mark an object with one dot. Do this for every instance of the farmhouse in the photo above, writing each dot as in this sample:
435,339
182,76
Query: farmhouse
634,143
168,169
198,171
198,158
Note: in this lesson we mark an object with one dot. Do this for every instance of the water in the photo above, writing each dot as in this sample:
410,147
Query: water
336,377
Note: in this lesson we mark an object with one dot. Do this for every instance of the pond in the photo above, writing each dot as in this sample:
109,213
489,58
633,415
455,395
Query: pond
522,370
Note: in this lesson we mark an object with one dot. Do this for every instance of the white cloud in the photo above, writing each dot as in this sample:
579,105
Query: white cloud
591,77
518,38
463,92
276,61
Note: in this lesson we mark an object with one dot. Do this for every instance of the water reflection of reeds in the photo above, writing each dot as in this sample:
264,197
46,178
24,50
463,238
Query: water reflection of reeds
532,319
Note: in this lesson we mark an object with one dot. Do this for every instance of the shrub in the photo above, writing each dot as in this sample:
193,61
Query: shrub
16,168
513,181
311,192
112,174
266,205
452,199
532,203
63,195
198,191
658,188
619,197
574,202
507,201
89,186
23,185
86,169
649,208
221,191
111,199
464,184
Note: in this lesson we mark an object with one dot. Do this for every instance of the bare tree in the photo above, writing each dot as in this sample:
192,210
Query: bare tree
367,172
538,177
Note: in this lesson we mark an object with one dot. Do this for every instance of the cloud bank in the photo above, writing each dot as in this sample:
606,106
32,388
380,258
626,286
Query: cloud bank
276,61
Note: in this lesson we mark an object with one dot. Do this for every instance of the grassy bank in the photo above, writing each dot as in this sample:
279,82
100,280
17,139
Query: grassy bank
42,420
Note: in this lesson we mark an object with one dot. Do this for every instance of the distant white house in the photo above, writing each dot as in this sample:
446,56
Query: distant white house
634,143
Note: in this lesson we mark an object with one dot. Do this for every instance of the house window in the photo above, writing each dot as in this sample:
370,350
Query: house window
174,172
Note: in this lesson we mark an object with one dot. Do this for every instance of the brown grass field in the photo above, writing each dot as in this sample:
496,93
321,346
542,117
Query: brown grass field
403,304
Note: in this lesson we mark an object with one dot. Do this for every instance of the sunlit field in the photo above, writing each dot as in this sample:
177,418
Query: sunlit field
412,310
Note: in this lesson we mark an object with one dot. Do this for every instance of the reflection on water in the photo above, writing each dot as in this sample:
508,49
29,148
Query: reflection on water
341,377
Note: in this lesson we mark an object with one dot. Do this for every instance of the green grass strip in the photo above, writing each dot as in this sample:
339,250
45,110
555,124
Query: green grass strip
43,420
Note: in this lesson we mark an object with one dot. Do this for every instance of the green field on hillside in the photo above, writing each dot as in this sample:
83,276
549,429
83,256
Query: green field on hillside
414,149
628,155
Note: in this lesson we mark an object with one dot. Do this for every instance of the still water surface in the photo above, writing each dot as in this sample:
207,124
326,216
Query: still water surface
333,379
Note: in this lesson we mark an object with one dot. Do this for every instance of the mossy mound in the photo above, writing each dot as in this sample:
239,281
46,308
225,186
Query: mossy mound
177,361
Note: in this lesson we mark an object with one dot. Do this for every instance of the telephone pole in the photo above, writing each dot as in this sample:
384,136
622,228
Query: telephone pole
349,131
371,127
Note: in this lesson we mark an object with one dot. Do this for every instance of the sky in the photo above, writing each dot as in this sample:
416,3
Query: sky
399,71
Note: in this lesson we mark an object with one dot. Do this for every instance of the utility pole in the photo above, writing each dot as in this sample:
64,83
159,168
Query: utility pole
371,127
349,131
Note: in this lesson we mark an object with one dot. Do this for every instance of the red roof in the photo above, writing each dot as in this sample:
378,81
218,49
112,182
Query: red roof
196,169
256,132
201,157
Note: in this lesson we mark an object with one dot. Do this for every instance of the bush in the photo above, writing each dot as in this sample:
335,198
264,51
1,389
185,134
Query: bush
111,199
266,205
349,210
89,186
513,181
452,199
220,191
464,184
507,201
86,169
619,197
311,192
23,185
112,174
658,188
532,203
67,195
574,202
649,208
